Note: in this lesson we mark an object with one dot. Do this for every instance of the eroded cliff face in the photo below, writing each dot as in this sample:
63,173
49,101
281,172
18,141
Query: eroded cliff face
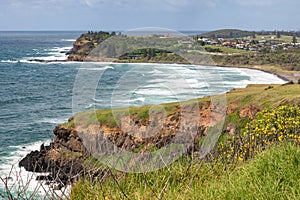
65,157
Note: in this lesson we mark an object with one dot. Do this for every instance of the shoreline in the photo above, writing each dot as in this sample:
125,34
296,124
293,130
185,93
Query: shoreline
282,76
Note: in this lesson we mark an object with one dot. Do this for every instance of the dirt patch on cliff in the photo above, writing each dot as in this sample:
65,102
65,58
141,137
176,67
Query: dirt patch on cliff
250,111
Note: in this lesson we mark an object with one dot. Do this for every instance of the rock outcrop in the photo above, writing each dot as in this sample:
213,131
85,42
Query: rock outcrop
65,157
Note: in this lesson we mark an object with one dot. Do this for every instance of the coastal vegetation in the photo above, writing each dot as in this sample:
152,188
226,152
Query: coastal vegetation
256,156
259,159
284,59
228,33
273,174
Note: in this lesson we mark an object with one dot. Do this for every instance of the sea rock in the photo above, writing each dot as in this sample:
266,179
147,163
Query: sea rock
44,178
34,162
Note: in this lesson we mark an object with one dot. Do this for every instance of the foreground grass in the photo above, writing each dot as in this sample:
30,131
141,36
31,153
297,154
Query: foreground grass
269,172
273,174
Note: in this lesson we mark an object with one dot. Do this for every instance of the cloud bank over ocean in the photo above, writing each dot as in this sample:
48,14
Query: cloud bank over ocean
128,14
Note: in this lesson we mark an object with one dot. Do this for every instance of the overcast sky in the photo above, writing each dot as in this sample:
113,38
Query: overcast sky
129,14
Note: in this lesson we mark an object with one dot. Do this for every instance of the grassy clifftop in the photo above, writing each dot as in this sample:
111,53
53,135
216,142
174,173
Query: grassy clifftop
257,156
258,118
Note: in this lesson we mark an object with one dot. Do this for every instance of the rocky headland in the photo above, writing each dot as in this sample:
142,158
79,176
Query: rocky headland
66,158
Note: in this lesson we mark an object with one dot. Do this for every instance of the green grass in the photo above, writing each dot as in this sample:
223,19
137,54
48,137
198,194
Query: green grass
285,61
234,118
283,38
273,174
260,95
225,50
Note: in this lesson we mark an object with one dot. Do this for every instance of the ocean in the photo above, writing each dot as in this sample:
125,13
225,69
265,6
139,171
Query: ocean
35,97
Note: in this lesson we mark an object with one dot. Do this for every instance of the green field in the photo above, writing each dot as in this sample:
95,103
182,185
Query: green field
283,38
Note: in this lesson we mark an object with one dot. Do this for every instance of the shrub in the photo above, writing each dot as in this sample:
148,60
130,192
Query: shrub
268,128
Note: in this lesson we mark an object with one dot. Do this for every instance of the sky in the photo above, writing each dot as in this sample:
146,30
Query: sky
122,15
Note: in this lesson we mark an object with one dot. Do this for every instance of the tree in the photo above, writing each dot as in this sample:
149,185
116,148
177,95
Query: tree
278,34
294,39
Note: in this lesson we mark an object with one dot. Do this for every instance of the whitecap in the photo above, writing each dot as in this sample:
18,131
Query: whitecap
52,54
9,61
140,99
20,178
97,68
154,92
53,120
90,106
68,40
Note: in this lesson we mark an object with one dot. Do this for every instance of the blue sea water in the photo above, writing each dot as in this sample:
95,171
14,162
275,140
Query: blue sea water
35,97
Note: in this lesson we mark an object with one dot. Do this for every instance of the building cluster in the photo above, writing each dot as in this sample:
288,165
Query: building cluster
250,43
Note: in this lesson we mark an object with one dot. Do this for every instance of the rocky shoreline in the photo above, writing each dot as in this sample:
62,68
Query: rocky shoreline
65,159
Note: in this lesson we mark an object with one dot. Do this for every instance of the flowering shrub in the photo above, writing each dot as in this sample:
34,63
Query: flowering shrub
268,128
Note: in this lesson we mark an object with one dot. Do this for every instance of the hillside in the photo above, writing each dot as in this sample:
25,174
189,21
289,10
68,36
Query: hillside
228,33
68,160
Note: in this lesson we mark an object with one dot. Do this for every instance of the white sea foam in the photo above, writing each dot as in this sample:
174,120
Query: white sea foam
140,99
154,92
198,85
68,40
55,53
89,106
129,102
97,100
256,77
18,61
9,61
156,71
19,177
53,120
191,81
101,68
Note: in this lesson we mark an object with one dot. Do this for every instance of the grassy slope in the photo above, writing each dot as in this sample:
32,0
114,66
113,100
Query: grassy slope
226,50
261,95
272,175
228,33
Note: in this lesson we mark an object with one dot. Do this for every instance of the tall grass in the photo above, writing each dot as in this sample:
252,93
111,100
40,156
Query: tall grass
273,174
260,162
